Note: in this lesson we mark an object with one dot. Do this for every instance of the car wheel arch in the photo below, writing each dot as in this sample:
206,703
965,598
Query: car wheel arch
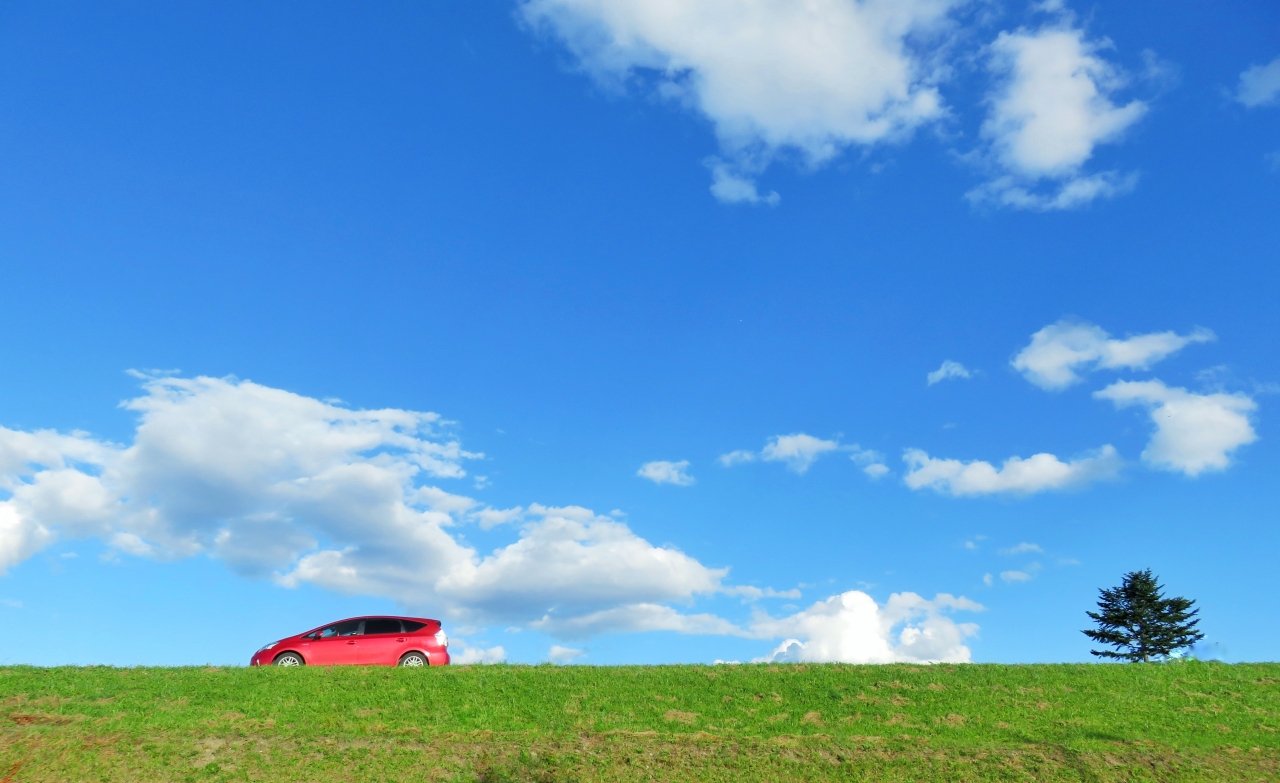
283,653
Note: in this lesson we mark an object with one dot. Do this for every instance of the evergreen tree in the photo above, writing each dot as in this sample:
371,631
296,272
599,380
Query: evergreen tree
1140,622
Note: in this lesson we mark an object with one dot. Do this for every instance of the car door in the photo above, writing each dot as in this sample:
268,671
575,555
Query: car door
336,645
383,642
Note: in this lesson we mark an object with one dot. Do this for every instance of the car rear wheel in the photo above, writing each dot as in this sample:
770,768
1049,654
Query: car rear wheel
289,659
413,659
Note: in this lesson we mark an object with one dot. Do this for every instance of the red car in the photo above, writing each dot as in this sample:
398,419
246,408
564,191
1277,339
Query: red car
367,641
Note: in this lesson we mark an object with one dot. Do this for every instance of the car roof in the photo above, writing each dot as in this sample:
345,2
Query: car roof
424,620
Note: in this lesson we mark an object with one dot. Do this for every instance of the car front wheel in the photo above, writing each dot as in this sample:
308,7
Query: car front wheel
290,659
413,659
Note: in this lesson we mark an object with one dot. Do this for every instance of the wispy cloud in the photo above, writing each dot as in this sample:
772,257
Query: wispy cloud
1021,549
799,451
948,370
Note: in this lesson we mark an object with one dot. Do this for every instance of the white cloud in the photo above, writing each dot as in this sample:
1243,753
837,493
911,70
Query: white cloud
872,462
471,655
756,593
277,484
987,580
635,618
852,628
1260,85
1038,473
730,186
799,451
876,470
1021,549
563,655
489,518
770,75
662,472
1051,110
949,369
1194,432
1010,191
1058,350
1015,576
738,457
567,563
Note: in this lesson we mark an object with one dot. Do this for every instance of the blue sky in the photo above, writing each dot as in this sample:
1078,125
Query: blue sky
588,236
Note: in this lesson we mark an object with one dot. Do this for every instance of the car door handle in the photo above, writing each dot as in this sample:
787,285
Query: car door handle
350,642
401,639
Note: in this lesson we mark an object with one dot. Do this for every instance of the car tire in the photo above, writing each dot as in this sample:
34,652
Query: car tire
289,659
414,659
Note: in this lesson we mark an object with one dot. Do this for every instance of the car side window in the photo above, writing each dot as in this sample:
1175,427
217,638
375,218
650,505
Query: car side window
381,625
410,626
349,628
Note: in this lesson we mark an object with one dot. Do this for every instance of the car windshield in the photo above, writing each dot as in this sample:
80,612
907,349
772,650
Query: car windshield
349,628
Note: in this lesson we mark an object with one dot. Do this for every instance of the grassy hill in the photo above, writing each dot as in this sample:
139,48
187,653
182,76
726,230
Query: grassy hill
1180,721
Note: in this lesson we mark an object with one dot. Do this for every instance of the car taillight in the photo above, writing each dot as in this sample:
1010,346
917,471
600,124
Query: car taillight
442,638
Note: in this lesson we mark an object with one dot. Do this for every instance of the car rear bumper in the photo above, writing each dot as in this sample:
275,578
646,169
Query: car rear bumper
438,657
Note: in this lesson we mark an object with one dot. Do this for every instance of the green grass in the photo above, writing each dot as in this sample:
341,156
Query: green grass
1157,722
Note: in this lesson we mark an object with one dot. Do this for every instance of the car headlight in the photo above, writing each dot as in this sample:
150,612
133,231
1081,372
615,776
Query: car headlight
442,638
266,647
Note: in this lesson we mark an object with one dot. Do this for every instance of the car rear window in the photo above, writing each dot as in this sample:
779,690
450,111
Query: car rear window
381,625
410,626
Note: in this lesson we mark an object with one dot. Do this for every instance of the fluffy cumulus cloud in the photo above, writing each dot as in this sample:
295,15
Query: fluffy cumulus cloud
1051,109
799,451
1059,352
662,472
279,485
301,491
1194,432
1037,473
1260,85
770,75
853,628
948,370
462,654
